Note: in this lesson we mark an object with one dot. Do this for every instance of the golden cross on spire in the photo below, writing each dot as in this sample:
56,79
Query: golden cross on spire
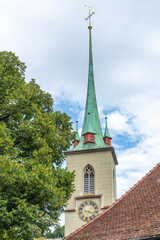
89,17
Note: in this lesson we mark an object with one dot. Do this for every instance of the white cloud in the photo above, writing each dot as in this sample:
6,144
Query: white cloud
119,123
152,42
51,36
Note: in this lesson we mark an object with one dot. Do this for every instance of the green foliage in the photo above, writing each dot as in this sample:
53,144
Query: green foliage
41,238
57,233
33,137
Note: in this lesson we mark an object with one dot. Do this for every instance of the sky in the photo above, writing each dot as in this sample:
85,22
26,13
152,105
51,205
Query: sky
51,37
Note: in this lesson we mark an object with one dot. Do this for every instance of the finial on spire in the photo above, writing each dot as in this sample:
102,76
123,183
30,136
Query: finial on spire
89,17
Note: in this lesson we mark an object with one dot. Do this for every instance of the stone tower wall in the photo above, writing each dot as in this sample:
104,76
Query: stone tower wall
105,184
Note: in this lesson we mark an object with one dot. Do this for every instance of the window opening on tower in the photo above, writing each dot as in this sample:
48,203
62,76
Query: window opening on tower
88,179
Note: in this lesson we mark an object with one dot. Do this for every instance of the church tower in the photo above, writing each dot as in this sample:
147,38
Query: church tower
93,159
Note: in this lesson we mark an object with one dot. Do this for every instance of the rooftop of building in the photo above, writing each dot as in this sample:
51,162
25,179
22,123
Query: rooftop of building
136,215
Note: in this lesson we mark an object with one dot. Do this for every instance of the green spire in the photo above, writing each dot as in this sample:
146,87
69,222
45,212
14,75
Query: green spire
106,133
77,134
91,122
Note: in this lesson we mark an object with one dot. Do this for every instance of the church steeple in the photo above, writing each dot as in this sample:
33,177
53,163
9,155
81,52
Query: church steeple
91,136
93,160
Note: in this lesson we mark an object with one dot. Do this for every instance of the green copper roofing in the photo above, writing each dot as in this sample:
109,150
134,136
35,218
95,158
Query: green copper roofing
106,133
91,122
77,134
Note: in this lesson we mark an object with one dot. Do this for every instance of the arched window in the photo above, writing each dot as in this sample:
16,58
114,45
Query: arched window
88,179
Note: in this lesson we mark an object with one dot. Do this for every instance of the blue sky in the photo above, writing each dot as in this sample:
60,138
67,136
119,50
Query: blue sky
51,37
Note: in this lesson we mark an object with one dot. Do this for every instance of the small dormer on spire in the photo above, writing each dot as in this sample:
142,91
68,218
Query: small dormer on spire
107,138
89,134
76,142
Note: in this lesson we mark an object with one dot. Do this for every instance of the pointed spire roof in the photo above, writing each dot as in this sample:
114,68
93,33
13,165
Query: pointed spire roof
91,122
106,133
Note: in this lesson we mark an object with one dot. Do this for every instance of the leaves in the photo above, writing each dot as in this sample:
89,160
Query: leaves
33,186
57,233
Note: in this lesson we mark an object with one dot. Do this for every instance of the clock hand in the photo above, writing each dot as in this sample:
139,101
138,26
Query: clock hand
89,211
92,211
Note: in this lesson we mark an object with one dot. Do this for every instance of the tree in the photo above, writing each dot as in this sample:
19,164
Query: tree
57,233
33,137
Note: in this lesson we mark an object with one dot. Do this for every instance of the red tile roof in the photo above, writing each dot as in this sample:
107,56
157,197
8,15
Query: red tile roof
135,215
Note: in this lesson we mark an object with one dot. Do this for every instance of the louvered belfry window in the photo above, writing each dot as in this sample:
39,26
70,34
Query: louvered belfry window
88,179
86,189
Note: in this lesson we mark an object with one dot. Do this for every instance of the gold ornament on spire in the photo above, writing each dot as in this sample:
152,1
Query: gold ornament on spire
89,17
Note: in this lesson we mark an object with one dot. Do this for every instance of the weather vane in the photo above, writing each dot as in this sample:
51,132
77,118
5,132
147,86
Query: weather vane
89,17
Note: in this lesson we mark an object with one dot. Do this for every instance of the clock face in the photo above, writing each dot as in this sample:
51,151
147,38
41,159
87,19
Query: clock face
88,210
